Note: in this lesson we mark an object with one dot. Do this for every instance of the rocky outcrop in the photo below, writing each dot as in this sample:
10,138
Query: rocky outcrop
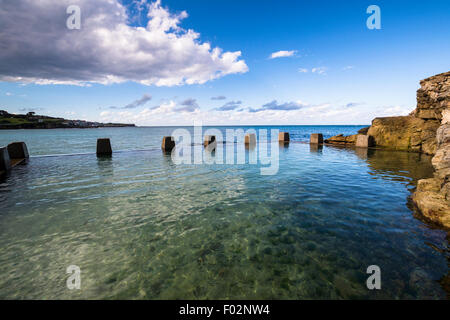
432,196
342,140
407,133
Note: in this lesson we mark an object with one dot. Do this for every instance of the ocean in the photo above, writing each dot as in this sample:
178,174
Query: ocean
140,225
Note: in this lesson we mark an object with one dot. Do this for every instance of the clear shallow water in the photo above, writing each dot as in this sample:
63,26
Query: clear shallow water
141,227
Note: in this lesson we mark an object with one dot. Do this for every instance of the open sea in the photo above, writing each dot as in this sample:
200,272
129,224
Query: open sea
141,226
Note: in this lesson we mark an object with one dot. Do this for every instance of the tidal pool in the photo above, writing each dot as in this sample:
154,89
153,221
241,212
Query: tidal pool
140,226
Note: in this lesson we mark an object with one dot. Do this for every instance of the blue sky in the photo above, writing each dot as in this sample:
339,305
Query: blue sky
358,73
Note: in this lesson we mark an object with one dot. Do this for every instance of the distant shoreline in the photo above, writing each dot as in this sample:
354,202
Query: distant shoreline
33,121
66,127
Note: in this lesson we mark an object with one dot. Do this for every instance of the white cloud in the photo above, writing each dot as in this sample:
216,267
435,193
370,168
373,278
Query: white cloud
319,70
282,54
36,46
348,68
391,111
302,70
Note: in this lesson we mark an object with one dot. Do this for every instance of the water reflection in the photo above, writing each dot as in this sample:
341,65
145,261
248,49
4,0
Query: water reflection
316,148
391,164
400,164
283,144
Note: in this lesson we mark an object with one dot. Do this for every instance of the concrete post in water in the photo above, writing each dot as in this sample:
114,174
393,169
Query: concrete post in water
18,150
209,140
250,139
364,141
104,147
316,138
283,137
168,143
5,161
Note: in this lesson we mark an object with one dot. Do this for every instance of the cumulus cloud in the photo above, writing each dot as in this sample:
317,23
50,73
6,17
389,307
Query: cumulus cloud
218,98
282,54
37,47
140,102
302,70
232,105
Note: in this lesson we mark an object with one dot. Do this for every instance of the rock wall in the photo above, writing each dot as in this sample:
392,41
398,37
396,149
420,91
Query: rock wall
433,97
432,196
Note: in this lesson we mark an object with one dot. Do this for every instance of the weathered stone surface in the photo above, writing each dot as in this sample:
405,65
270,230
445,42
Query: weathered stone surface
431,184
441,160
443,134
104,147
364,141
5,162
168,143
283,137
18,150
250,139
316,138
432,204
433,97
342,140
432,196
445,116
406,133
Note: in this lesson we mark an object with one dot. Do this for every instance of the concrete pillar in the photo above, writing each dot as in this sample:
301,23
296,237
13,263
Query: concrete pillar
283,137
104,147
209,140
250,139
168,143
364,141
5,161
316,138
18,150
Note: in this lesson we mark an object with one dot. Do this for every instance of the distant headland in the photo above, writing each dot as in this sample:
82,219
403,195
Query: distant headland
34,121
